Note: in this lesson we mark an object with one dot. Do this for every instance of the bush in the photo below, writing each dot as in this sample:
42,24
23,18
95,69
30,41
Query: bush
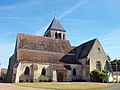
94,76
99,76
44,79
26,80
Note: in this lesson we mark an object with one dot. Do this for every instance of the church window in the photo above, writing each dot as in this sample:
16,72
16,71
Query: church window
63,36
88,62
43,71
58,35
27,71
98,65
74,72
98,48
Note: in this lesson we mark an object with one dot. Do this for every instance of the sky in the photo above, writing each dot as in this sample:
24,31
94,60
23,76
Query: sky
83,20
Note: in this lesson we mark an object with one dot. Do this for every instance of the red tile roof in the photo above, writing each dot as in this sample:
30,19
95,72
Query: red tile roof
61,67
35,56
41,43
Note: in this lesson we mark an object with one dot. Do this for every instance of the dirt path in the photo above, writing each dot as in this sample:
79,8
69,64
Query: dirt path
7,86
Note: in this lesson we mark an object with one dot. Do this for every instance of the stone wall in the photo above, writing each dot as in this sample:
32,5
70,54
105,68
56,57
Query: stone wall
12,61
97,54
35,74
79,73
63,35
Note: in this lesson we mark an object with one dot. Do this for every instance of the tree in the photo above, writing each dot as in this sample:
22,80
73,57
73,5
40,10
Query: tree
99,76
108,57
114,62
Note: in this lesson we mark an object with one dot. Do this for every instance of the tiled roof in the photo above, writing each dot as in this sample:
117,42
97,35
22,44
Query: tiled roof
61,67
46,57
41,43
83,49
55,25
48,50
69,59
43,57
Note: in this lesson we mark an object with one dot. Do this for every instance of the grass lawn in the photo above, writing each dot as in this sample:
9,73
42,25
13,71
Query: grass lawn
68,85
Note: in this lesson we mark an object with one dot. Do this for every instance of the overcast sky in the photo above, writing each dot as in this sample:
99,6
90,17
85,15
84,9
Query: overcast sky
83,20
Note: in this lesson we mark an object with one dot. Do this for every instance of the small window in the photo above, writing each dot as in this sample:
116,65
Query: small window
98,48
59,36
56,35
27,71
43,71
88,62
98,65
63,36
74,72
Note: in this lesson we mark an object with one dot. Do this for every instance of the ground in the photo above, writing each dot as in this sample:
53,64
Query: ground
60,86
69,85
113,88
6,86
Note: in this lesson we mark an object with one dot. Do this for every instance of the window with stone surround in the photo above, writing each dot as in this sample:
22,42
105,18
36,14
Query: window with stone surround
43,71
98,48
74,72
98,65
27,71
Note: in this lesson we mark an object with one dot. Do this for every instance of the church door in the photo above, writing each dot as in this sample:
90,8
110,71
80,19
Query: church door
60,77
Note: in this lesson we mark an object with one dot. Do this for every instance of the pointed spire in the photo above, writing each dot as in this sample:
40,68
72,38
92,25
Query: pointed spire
55,25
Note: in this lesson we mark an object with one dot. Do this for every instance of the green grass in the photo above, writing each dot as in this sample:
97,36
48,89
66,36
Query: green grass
68,85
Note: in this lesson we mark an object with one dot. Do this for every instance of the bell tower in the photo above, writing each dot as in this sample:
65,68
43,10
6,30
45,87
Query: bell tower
55,30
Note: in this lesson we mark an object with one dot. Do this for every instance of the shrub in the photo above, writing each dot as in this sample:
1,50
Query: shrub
44,79
94,76
99,76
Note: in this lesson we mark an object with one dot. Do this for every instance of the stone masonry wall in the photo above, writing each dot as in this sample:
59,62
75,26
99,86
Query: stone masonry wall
97,54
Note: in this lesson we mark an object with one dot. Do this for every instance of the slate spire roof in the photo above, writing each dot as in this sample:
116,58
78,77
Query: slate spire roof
55,25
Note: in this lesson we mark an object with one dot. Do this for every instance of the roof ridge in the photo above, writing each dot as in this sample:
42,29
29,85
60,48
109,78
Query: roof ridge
19,34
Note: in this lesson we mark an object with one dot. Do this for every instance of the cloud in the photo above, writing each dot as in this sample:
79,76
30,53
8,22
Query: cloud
18,5
42,30
15,17
9,33
66,13
73,8
111,38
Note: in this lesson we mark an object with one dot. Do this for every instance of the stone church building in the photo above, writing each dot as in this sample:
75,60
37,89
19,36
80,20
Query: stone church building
51,56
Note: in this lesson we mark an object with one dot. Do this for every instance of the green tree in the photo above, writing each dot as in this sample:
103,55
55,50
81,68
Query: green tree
99,76
108,57
114,62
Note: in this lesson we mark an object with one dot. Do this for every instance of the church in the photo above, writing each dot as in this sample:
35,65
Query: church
52,57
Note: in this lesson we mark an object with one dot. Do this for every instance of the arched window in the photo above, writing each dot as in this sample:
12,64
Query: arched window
98,48
43,71
74,72
107,65
59,36
88,62
56,35
63,36
98,65
27,71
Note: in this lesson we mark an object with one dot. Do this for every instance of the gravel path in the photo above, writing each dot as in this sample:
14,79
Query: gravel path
7,86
